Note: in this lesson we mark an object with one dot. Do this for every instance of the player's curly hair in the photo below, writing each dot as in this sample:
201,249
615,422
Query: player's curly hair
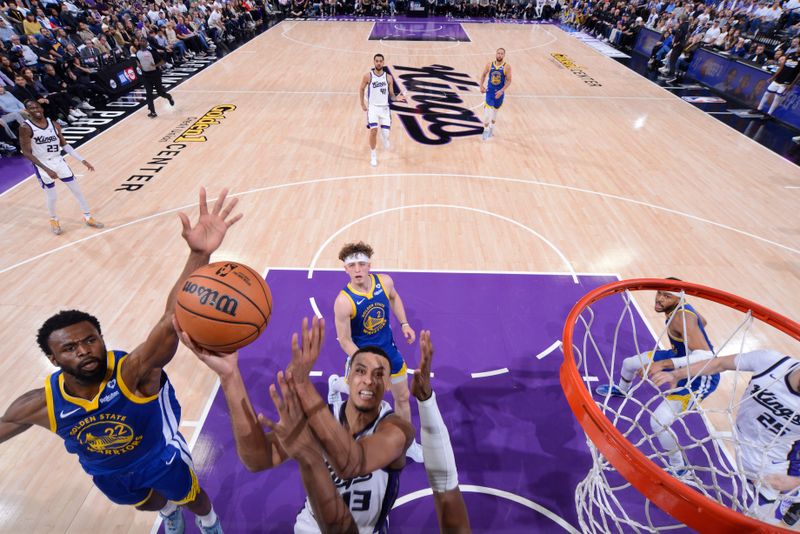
63,319
355,248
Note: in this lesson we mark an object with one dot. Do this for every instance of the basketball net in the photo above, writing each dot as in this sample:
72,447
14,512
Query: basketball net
631,482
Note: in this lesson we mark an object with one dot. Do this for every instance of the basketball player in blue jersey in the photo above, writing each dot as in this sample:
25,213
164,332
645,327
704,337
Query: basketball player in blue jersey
362,318
362,440
690,344
499,73
118,411
379,86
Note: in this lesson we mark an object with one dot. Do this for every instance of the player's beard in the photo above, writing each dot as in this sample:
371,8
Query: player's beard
95,376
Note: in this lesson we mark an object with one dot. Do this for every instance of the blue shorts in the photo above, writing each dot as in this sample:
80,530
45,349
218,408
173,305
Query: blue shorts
492,101
171,474
701,386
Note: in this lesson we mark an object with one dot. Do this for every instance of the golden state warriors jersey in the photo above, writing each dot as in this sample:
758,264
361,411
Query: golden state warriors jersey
497,77
369,318
678,345
115,430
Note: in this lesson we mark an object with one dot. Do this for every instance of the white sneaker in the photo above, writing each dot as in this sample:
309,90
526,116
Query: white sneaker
415,452
373,160
62,123
333,391
77,113
86,105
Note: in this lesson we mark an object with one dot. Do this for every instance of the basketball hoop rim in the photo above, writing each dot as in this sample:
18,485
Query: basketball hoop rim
672,496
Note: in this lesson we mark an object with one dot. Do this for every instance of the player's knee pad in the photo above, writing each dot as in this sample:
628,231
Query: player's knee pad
662,418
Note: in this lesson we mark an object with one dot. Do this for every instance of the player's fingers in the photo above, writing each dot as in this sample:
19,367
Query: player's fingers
234,220
321,336
187,226
269,423
220,201
276,400
203,204
295,348
227,209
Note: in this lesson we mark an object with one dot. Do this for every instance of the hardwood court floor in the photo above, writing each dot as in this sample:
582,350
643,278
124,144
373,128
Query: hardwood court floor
620,177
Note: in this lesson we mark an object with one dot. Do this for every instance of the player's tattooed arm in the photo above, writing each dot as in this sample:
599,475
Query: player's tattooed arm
27,410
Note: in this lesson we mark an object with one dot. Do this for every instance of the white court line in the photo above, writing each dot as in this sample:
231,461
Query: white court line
485,374
190,423
590,379
549,349
315,373
513,497
791,186
452,206
411,175
314,307
411,372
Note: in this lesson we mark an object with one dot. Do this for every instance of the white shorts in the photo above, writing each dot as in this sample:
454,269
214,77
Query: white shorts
778,88
379,115
61,169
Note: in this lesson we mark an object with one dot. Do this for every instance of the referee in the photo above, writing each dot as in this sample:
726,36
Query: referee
151,62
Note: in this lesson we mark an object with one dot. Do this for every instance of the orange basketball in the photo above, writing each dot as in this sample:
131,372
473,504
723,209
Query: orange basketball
224,306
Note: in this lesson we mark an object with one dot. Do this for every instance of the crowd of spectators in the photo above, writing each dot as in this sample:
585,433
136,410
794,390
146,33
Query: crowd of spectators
759,32
51,49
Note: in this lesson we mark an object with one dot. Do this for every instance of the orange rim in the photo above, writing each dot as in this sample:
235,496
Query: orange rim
672,496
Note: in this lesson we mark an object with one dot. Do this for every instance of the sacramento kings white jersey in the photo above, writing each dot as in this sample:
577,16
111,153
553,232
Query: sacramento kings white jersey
768,422
44,142
369,497
378,89
46,147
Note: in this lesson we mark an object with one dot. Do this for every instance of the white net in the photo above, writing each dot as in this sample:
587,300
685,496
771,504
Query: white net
689,432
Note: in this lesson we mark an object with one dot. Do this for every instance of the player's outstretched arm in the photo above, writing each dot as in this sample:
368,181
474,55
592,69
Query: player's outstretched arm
348,457
399,311
71,151
440,465
203,239
342,308
484,75
28,410
701,368
257,449
295,436
362,87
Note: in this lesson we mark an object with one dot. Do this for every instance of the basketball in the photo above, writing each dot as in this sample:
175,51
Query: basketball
224,306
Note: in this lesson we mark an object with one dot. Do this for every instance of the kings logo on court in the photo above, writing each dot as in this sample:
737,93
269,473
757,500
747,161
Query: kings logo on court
435,112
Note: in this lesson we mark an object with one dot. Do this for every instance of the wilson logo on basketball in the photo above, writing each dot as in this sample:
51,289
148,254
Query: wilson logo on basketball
209,297
435,113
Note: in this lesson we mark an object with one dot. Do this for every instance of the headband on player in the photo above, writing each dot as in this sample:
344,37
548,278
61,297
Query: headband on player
355,258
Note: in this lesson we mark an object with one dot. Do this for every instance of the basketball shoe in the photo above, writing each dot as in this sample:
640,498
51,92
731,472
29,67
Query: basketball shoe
173,523
612,390
55,227
94,223
216,528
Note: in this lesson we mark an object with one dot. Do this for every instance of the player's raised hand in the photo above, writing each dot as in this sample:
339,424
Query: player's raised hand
409,333
207,234
657,367
292,427
665,377
224,364
421,383
306,352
